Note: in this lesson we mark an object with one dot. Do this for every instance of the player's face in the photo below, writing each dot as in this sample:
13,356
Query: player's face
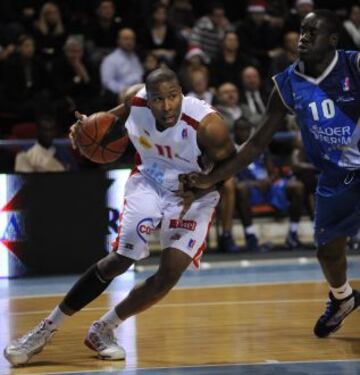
315,41
164,101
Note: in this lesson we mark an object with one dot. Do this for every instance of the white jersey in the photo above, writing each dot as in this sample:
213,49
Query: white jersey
166,154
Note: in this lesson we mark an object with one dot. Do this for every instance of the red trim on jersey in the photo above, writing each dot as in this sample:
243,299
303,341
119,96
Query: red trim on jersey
190,121
197,256
137,161
138,102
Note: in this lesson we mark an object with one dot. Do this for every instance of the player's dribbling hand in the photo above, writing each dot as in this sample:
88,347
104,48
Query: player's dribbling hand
75,128
196,180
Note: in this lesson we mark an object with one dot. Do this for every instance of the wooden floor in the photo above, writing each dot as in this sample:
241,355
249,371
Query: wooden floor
195,326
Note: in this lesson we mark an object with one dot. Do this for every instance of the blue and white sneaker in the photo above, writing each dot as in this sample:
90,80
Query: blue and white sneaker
335,313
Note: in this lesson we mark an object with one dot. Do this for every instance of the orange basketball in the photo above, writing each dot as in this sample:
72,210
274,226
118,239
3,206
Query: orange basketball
102,138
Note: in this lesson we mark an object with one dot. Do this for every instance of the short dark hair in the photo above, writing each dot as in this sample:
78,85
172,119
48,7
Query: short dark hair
331,20
160,75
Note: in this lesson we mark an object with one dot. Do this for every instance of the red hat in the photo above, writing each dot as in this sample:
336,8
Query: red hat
257,6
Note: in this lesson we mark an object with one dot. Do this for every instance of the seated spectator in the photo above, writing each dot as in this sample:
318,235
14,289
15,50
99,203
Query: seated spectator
302,9
194,59
208,31
42,156
122,68
258,36
102,32
253,96
49,33
306,173
230,61
25,81
200,85
75,84
228,104
150,63
350,39
159,37
182,18
289,54
259,183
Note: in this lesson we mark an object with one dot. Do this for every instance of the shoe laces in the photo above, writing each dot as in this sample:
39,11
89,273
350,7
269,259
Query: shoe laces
331,307
106,334
29,339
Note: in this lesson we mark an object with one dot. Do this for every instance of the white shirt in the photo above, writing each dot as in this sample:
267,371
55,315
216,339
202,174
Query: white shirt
120,69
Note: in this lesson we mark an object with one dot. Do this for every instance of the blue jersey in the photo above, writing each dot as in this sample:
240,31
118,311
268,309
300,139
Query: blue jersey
328,111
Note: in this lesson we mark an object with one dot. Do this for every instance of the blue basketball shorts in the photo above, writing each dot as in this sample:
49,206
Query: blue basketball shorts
338,215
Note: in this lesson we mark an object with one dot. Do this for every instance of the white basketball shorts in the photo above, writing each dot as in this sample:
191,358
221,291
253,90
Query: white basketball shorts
147,207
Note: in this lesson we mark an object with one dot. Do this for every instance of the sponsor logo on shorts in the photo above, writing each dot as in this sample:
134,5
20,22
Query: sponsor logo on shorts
183,224
191,243
144,228
129,246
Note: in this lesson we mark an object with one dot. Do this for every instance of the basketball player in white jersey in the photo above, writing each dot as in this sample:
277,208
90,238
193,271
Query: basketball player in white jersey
173,135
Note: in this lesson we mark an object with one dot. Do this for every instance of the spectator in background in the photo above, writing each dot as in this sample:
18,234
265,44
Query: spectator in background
228,104
159,37
208,32
228,107
302,9
306,173
122,68
199,79
230,61
259,38
42,156
181,17
102,32
253,96
260,183
49,33
150,63
194,59
350,39
25,81
289,54
76,84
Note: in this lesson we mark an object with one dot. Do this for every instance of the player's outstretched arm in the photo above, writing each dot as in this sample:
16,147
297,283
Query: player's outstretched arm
250,150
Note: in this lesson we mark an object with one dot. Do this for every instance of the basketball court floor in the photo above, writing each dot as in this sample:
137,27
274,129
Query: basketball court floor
243,318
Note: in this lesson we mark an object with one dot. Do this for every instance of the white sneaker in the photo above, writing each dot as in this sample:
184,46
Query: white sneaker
101,339
20,350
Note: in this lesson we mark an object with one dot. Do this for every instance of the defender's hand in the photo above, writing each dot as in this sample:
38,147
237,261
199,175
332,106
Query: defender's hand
197,180
188,198
75,128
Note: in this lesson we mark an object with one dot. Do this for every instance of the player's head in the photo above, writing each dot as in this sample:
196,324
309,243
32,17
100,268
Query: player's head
164,96
46,131
319,35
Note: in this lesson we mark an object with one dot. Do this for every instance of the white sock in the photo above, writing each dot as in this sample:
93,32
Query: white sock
249,230
342,292
56,317
294,227
111,318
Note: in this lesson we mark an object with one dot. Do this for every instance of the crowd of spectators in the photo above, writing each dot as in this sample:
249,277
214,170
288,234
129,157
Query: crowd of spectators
60,56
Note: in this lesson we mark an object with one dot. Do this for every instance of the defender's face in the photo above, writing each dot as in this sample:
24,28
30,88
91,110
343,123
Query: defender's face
315,40
164,101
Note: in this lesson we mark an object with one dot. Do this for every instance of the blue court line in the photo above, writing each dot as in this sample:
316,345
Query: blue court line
351,367
256,272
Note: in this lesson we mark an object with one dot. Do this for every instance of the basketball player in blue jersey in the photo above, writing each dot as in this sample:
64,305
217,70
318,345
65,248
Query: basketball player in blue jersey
322,89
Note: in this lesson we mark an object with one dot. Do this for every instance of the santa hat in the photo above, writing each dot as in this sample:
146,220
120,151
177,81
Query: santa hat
301,2
195,51
257,6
